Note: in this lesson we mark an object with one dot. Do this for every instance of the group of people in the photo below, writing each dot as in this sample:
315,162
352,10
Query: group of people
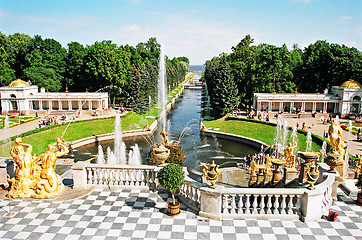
47,121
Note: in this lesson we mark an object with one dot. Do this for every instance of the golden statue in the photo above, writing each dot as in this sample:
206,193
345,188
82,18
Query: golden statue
165,139
336,138
265,167
26,172
33,180
50,184
289,156
210,172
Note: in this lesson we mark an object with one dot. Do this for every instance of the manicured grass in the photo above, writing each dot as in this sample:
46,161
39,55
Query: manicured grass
259,131
82,129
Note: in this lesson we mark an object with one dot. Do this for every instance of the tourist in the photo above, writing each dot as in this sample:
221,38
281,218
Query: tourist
39,124
267,118
359,134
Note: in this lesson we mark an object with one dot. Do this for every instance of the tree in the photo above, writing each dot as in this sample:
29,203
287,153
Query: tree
223,90
6,73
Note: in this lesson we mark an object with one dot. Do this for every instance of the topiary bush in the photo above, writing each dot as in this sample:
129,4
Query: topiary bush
177,154
171,177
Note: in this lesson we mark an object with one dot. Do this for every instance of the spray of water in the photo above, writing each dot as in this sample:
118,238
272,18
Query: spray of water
162,88
309,142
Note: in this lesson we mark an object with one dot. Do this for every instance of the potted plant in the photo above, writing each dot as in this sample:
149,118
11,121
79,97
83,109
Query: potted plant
359,185
172,177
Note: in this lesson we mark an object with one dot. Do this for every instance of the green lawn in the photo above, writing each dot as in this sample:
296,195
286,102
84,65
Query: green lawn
259,131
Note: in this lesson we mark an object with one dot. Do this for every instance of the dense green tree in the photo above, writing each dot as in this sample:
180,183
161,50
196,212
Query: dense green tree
7,74
224,91
75,72
326,65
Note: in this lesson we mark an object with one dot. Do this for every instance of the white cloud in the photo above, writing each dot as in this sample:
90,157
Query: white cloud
131,28
346,18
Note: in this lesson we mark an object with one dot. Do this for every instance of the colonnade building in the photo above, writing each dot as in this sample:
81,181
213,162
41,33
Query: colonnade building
343,100
21,97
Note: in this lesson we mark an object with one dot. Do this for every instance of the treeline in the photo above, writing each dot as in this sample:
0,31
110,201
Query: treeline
233,78
128,73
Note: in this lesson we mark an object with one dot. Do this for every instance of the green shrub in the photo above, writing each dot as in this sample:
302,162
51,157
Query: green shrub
171,177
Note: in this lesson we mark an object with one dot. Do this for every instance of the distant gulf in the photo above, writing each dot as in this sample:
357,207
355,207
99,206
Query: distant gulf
196,68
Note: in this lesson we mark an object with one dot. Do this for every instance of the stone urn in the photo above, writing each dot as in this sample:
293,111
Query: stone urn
213,174
312,176
161,153
333,160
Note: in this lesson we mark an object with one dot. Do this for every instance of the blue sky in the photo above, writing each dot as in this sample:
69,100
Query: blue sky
197,29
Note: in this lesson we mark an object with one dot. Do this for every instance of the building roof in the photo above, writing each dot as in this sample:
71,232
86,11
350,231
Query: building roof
351,84
18,83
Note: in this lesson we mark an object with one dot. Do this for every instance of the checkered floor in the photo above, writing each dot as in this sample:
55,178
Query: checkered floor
106,214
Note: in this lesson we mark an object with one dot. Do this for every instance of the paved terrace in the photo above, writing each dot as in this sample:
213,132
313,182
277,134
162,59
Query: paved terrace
136,214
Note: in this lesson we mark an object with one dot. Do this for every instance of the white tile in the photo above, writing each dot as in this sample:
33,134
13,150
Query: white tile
22,235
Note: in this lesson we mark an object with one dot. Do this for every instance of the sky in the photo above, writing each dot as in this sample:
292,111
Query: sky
197,29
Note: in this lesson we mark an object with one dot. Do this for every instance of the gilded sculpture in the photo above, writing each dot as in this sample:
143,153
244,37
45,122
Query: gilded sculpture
33,179
336,138
289,156
210,172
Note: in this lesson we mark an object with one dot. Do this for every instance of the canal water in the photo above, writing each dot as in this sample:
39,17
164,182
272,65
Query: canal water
183,125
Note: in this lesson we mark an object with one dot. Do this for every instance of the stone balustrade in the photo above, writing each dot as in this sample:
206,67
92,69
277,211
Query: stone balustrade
221,202
87,175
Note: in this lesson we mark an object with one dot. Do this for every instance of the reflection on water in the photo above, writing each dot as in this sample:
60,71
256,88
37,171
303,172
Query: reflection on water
197,148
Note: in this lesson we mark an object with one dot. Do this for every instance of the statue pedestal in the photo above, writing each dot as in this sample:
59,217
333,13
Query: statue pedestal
290,174
268,177
303,173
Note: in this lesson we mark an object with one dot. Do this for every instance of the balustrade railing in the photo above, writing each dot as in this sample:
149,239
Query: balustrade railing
261,203
114,176
190,194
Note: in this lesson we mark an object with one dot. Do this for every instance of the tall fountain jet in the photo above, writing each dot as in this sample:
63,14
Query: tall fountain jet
162,88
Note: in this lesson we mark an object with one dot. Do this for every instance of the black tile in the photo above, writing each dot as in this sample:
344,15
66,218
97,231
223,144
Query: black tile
117,226
77,231
177,235
207,236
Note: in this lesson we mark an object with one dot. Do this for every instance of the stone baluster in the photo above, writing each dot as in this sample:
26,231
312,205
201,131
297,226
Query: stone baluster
95,176
262,204
277,205
269,205
247,204
233,204
283,204
89,177
143,177
255,204
148,177
290,205
126,177
297,203
225,204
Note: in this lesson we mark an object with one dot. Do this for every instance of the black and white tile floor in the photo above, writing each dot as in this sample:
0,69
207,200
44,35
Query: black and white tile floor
134,214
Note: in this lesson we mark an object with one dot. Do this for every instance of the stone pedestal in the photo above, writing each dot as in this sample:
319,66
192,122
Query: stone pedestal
303,173
290,174
211,202
80,175
268,177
